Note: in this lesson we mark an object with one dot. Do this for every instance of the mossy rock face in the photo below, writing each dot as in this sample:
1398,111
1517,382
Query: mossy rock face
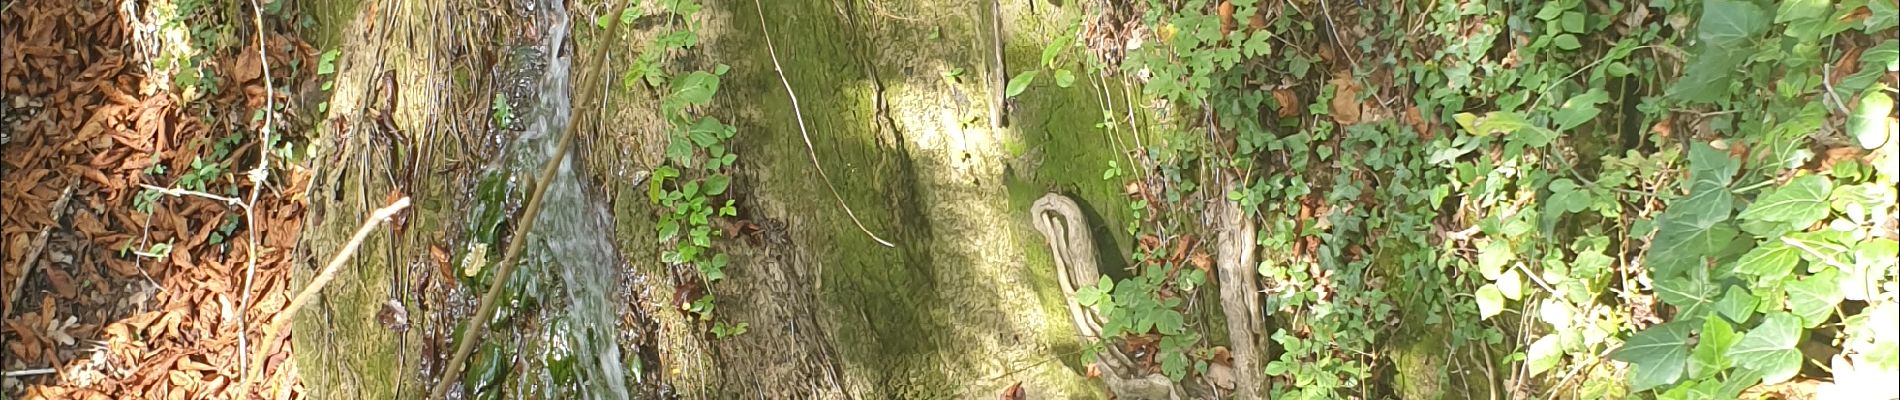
342,349
965,304
1419,364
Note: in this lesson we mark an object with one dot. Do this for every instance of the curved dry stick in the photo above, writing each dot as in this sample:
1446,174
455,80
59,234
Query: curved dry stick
1062,225
800,115
275,330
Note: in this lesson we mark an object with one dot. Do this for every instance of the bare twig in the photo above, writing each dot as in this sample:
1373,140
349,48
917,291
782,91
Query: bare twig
176,192
28,372
258,177
1826,83
800,115
34,251
274,331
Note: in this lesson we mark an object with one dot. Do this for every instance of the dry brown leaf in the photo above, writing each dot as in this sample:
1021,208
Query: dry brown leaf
1838,154
1202,261
1345,105
247,68
1416,120
1015,392
1289,102
1227,22
61,282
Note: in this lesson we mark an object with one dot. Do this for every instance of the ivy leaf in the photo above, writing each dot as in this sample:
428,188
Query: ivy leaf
1711,166
716,184
1544,354
695,89
1511,285
668,229
1820,248
1558,314
1711,350
1814,297
1802,202
1065,78
1660,353
680,151
1725,31
1580,109
1020,83
1730,23
1092,295
1737,304
1873,261
1567,42
1770,348
1490,301
1869,122
326,63
1885,16
1168,322
1769,262
1680,245
1692,295
1868,196
1520,129
1493,256
1878,60
1277,368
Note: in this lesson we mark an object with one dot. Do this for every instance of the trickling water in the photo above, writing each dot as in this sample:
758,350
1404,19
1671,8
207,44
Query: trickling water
575,235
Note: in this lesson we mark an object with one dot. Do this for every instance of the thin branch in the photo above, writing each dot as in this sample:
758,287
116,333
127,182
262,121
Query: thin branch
800,115
35,249
28,372
182,193
1534,279
274,331
258,177
1826,83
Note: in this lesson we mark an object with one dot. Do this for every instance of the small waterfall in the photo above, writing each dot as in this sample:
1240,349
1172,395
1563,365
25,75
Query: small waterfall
575,231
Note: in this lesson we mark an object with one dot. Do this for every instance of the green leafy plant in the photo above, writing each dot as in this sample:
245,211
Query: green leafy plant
326,66
688,190
721,330
501,111
1622,197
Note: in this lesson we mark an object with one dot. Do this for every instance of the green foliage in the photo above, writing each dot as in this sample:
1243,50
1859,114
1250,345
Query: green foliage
501,111
721,330
1137,307
692,189
1694,200
1020,83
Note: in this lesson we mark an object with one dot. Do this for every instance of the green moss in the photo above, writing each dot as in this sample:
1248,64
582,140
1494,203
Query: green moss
331,17
904,310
